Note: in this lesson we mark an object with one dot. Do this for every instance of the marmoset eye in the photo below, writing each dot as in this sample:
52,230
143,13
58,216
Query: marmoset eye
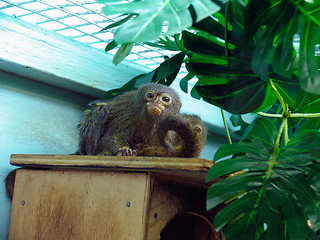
198,130
166,99
150,95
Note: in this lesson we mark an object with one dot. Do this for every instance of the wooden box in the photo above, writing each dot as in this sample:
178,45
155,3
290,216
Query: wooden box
95,197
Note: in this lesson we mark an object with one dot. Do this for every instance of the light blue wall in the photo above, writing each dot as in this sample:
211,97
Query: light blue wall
34,119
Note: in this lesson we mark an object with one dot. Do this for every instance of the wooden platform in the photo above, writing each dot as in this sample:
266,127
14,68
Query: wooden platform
96,197
194,169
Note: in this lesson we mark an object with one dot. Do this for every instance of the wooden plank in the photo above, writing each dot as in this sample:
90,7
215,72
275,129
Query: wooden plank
94,161
78,205
193,169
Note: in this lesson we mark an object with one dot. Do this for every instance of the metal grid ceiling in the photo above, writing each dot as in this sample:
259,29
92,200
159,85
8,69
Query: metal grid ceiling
81,20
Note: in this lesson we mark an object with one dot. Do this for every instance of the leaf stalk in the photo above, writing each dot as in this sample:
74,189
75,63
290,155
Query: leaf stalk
273,157
283,103
291,115
225,126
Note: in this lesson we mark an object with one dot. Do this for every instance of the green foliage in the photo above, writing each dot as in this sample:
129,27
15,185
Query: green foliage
123,51
151,15
253,56
277,22
164,74
277,190
236,77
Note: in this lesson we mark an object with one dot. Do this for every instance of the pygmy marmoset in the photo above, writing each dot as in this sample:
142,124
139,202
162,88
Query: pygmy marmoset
119,125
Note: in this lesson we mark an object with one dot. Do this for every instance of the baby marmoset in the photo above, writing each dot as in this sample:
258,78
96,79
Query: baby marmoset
192,135
182,136
117,126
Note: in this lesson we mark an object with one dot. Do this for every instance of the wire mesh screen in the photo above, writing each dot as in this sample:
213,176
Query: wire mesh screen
81,20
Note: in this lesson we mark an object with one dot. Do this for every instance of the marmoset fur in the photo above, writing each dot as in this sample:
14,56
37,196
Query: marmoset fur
119,125
182,136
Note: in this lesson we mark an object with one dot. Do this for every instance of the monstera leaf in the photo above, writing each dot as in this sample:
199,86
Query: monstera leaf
152,14
234,60
311,105
275,24
164,74
268,192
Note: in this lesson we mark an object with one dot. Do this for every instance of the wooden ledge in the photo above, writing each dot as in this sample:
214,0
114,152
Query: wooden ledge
194,169
94,161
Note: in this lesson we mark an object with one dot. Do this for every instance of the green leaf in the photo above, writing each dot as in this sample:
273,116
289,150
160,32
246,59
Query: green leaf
309,75
170,68
122,52
310,105
275,44
237,164
260,129
125,88
194,92
269,99
302,148
200,58
258,205
201,44
132,84
274,24
229,188
168,43
290,90
234,87
146,78
212,26
151,15
241,93
165,73
235,208
237,121
184,82
111,45
118,23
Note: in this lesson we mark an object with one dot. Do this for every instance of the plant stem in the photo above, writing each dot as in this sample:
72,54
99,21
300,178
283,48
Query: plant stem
273,157
270,115
283,103
292,115
225,126
272,161
285,115
305,115
285,134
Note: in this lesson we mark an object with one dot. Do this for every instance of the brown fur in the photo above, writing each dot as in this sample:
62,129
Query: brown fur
124,122
182,136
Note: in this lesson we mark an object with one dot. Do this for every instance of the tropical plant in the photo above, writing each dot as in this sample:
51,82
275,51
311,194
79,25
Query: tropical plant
249,56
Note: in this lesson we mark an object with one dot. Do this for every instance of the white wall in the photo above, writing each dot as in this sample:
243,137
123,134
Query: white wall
35,119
